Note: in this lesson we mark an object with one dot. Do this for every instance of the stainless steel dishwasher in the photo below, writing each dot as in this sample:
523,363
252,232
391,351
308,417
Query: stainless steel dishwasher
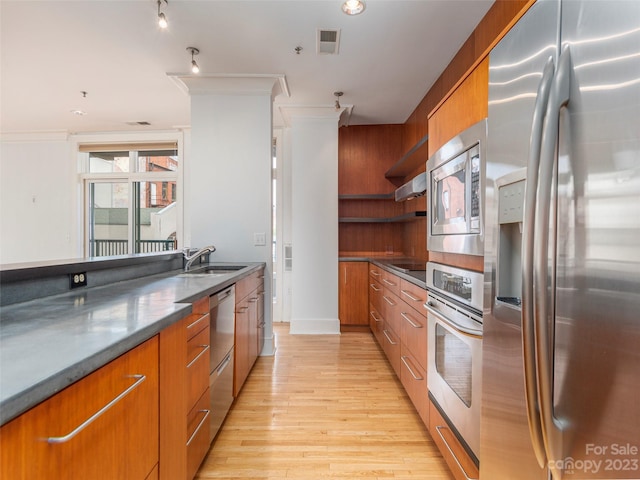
222,312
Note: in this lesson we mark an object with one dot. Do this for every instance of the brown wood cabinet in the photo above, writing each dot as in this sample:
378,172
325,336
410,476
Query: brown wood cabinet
452,450
376,320
184,394
399,324
352,293
126,391
249,324
413,339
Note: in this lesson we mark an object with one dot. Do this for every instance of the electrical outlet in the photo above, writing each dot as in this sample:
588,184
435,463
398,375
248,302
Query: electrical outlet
78,279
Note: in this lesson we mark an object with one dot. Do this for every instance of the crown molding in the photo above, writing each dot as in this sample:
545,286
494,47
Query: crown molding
232,84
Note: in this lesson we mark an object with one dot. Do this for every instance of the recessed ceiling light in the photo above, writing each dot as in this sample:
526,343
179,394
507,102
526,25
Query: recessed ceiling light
78,112
353,7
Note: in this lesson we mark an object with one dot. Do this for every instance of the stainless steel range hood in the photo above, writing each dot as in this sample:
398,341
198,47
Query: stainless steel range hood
413,188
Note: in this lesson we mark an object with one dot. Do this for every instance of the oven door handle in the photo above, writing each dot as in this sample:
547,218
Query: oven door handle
464,330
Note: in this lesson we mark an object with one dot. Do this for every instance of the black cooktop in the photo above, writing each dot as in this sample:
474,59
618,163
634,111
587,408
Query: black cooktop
408,266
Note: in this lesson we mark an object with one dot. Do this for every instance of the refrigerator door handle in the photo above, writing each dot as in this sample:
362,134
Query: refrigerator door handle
528,330
551,428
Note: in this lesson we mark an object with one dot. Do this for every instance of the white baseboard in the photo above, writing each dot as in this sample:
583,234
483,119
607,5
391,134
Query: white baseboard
269,347
318,326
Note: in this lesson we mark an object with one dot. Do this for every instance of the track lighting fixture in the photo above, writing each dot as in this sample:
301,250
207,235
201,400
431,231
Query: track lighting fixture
162,19
338,95
353,7
194,66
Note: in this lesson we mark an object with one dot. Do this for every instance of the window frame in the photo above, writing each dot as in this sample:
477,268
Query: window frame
132,179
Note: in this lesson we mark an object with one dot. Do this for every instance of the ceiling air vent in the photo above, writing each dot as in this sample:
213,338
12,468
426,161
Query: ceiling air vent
328,41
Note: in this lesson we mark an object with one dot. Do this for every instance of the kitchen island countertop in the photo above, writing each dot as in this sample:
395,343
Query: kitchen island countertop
49,343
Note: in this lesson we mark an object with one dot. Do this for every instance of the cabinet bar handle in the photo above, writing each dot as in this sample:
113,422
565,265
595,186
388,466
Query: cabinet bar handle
388,338
95,416
375,273
411,297
195,432
253,299
390,302
374,287
388,282
191,325
406,364
204,349
242,310
374,317
446,444
408,319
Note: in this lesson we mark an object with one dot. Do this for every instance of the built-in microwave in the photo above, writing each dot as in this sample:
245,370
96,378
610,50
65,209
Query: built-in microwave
455,189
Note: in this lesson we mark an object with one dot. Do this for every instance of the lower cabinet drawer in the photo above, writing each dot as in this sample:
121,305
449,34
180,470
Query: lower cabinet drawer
391,346
452,450
198,434
414,381
413,334
376,323
197,366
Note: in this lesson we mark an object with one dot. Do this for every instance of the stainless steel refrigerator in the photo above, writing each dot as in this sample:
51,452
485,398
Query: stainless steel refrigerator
561,344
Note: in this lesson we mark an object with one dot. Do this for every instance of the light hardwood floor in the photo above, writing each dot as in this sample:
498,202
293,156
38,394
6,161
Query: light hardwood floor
325,406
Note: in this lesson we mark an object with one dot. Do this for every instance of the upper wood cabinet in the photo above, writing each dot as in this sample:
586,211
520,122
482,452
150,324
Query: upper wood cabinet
57,438
467,105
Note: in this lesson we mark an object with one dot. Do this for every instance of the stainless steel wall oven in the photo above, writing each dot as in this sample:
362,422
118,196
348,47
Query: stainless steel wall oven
454,379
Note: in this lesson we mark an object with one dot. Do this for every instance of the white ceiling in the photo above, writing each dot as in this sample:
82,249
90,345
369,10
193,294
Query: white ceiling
52,50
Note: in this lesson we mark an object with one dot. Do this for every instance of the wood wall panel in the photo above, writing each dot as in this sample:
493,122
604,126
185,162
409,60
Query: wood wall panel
367,239
365,153
415,240
370,208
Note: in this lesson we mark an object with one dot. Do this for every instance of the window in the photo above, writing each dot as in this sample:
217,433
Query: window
130,199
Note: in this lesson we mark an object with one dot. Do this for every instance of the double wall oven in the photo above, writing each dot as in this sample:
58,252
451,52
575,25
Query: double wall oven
454,378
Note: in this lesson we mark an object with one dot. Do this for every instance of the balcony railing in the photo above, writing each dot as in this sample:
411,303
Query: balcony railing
103,248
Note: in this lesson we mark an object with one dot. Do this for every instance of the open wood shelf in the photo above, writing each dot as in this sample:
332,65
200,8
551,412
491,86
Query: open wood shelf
410,160
407,217
368,196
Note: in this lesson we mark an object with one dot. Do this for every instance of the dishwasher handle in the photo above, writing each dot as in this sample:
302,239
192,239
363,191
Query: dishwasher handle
217,298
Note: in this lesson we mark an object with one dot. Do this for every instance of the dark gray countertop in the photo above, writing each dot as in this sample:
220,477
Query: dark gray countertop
47,344
391,264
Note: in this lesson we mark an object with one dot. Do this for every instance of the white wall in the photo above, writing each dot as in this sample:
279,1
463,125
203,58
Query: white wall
38,190
229,178
229,175
314,203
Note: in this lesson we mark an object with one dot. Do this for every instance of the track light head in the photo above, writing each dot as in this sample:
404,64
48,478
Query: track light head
162,19
194,66
338,95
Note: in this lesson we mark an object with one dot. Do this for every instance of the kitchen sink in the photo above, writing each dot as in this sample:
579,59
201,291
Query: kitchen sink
213,270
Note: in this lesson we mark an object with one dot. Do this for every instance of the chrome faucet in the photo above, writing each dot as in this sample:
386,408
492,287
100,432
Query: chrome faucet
192,258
